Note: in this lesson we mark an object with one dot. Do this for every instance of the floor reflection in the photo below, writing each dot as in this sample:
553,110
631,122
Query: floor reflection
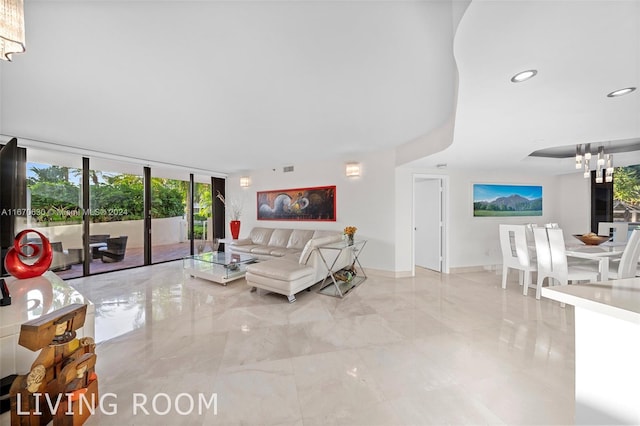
433,349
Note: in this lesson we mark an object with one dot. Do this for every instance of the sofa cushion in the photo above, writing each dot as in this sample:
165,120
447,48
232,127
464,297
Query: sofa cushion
280,237
261,236
279,286
280,269
261,250
298,238
243,248
325,233
279,251
315,242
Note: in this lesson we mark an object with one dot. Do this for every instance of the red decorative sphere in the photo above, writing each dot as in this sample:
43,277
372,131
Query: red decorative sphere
16,267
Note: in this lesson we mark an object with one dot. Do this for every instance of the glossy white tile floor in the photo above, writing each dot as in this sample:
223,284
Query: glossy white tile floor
434,349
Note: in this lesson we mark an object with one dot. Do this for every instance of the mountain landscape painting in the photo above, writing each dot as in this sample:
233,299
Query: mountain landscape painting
506,200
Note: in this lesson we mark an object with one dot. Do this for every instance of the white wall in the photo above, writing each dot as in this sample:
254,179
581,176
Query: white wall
474,241
379,203
573,195
366,202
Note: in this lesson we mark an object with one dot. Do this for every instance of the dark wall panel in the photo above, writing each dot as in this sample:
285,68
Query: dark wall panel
601,202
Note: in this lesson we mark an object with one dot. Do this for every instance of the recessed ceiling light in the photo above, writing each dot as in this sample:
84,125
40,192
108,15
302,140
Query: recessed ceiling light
621,92
523,76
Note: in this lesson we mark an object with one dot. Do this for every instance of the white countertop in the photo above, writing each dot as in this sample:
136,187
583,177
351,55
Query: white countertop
30,299
34,297
619,298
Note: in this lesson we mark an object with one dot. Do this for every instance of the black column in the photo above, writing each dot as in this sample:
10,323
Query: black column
86,217
147,215
218,185
601,202
13,193
191,197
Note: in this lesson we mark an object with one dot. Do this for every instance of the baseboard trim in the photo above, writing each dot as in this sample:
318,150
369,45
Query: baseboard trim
467,269
388,274
408,274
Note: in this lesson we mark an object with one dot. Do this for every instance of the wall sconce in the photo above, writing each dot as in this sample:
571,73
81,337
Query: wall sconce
353,169
245,181
11,28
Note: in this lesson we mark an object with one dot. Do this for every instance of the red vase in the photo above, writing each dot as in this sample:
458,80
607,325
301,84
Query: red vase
235,228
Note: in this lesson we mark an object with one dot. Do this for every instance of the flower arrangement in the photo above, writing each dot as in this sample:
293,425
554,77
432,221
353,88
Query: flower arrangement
350,230
236,209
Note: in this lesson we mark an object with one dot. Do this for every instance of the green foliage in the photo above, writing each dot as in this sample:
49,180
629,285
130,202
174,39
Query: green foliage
116,202
521,206
203,199
167,201
55,202
488,213
48,194
626,184
198,231
52,174
119,197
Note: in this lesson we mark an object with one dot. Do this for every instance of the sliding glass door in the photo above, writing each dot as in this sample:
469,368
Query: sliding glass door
54,208
170,238
68,196
202,215
116,212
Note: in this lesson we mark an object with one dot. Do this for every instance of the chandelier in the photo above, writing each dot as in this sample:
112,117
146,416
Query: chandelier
604,163
11,28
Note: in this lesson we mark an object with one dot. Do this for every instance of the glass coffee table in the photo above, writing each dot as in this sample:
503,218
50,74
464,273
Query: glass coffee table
219,267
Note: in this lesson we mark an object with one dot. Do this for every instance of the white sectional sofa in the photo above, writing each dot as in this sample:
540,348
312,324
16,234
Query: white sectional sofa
268,243
289,261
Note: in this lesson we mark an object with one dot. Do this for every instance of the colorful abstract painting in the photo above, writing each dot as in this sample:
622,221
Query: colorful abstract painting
315,204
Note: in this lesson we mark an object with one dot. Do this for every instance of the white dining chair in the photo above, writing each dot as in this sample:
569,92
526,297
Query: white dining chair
629,261
529,232
620,230
515,254
627,264
552,260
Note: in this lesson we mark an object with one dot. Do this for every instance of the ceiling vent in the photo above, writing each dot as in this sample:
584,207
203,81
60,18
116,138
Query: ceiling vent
287,169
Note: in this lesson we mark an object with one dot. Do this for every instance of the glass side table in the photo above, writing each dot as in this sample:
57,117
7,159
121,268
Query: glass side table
219,267
332,285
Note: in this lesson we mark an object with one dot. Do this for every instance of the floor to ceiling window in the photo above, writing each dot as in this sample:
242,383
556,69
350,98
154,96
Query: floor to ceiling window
626,194
110,209
202,215
170,238
54,207
116,212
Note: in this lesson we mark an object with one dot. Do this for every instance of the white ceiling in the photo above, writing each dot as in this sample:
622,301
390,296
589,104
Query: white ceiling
582,51
233,86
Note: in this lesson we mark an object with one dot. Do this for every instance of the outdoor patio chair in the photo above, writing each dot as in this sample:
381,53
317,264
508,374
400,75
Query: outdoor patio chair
96,242
63,259
115,250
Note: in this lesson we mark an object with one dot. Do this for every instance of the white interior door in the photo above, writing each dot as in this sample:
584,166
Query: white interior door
428,223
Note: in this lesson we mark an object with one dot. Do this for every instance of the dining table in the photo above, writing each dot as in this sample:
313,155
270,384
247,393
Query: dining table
601,253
